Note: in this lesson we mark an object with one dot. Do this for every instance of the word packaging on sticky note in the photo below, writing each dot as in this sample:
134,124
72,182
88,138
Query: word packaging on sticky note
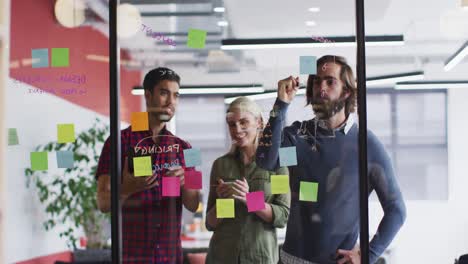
196,38
12,137
65,159
142,166
65,133
60,57
308,191
308,65
279,184
225,208
40,58
255,201
140,121
192,157
171,186
288,156
193,180
39,161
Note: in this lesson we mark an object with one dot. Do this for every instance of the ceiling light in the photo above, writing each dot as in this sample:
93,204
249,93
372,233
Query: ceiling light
401,77
262,96
223,23
314,9
128,20
310,23
431,85
457,57
212,89
219,9
70,13
348,41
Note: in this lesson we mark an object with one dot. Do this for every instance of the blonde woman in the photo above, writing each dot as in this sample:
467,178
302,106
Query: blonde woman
249,237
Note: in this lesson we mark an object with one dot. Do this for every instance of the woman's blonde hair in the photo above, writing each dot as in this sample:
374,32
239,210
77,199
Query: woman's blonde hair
244,104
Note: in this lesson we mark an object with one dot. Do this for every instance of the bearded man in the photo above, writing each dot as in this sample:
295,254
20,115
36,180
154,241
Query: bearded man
323,225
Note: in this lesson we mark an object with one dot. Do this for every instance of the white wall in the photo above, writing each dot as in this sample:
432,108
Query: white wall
35,116
436,232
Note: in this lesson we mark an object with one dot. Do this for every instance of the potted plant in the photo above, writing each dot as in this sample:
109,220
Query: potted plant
69,196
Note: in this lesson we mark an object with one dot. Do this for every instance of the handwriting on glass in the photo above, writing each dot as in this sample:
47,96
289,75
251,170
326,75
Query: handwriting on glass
57,91
70,78
323,40
158,35
157,149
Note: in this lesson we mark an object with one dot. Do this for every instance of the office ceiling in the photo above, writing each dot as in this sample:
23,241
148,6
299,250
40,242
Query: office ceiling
433,30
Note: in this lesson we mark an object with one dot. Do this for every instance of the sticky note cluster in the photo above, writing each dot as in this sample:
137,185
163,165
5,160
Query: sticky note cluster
193,180
39,161
65,133
308,64
140,121
142,166
279,184
308,191
13,137
196,38
255,201
171,186
225,208
192,157
65,159
60,57
288,156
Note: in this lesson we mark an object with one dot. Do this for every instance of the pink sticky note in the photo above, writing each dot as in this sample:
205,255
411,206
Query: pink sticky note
255,201
193,180
171,186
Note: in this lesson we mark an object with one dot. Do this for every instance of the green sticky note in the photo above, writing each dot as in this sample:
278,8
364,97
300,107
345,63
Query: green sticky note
12,137
308,191
39,161
196,38
142,166
279,184
65,133
60,57
225,208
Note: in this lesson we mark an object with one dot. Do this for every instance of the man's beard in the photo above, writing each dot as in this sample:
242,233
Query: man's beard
326,109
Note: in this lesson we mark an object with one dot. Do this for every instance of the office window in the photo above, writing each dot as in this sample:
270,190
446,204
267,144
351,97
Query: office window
413,127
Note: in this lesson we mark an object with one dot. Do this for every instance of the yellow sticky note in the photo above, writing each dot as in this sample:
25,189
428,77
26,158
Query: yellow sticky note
225,208
142,166
308,191
279,184
140,121
65,133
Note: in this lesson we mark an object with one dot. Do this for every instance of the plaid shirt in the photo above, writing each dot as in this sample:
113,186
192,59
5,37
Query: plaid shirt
151,223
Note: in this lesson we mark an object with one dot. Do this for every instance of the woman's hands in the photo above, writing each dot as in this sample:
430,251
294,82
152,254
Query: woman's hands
241,189
237,190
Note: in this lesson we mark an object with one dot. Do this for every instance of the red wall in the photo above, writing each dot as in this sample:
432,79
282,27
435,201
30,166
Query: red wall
33,26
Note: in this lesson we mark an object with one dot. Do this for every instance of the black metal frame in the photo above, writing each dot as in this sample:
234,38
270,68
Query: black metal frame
362,110
115,164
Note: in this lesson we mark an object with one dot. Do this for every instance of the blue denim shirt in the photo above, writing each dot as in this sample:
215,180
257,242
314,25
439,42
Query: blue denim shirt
316,230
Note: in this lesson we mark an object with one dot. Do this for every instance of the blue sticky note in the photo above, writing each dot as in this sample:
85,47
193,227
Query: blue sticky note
40,58
308,65
65,159
288,156
192,157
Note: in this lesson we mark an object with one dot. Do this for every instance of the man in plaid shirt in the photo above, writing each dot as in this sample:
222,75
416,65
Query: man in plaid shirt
151,223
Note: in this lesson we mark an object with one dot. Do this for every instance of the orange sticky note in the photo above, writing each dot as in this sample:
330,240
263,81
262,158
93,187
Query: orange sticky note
140,121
